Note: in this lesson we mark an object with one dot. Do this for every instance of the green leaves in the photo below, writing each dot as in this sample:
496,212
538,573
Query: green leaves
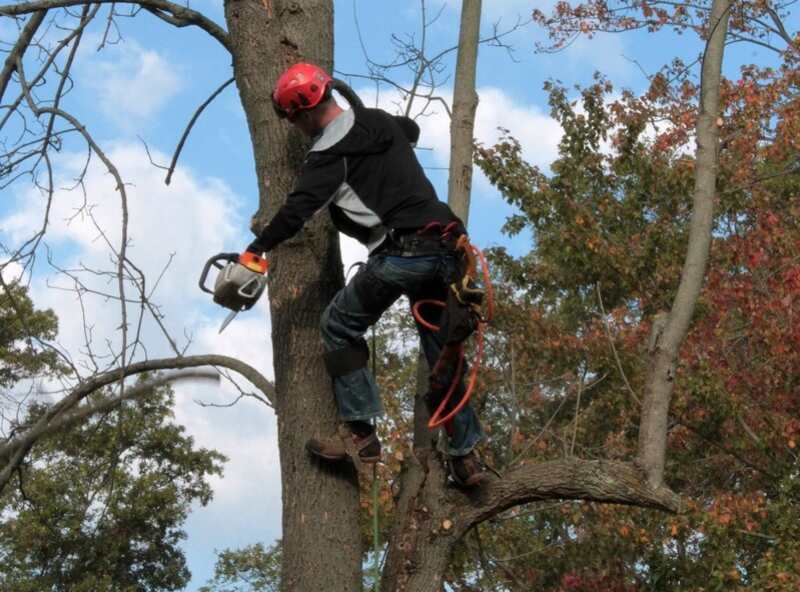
249,569
612,213
22,328
100,507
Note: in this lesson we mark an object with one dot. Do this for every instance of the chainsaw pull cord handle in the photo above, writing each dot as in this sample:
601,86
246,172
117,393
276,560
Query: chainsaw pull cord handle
253,262
215,262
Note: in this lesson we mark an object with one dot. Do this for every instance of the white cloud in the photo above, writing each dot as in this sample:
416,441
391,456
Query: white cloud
537,132
246,432
605,52
11,271
182,225
132,82
193,218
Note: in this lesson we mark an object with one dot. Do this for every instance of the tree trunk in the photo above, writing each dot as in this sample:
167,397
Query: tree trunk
419,544
431,517
416,561
321,539
664,354
465,102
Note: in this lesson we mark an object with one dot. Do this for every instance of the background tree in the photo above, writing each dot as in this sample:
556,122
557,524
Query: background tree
21,328
99,506
579,320
252,569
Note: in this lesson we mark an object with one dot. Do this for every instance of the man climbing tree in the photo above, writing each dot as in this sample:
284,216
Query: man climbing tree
363,168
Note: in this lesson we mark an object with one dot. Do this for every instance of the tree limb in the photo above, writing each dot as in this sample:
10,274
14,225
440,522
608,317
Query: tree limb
107,404
781,29
598,481
179,15
188,129
13,451
662,371
23,41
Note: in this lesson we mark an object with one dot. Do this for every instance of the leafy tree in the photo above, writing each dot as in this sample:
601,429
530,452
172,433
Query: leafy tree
22,328
250,569
100,507
578,319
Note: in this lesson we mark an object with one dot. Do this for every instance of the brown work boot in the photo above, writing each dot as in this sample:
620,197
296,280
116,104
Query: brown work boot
367,446
468,470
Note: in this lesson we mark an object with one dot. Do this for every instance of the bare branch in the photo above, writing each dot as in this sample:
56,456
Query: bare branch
12,108
188,129
177,13
13,451
614,348
24,40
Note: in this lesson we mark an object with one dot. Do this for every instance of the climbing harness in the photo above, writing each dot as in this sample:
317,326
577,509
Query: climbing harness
463,316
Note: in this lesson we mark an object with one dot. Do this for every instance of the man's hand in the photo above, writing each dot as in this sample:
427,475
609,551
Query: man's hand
256,247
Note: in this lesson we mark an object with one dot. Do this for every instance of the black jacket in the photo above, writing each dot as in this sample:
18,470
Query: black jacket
364,169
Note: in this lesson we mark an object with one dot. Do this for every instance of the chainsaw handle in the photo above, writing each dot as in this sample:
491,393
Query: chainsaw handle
215,261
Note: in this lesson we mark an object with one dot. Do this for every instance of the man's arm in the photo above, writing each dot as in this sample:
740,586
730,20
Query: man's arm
320,177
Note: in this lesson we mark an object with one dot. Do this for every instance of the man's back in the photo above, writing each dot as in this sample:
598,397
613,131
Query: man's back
363,167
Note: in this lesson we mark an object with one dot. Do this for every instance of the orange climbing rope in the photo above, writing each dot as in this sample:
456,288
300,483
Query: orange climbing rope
471,252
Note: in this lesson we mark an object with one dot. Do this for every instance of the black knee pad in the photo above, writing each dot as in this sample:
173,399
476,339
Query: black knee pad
344,361
374,293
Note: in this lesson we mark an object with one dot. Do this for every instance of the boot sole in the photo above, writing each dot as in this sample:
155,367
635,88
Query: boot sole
369,460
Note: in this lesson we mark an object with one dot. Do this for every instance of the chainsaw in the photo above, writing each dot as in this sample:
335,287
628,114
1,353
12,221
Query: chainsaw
240,282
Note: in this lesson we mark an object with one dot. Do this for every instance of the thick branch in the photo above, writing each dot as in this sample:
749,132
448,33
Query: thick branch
25,442
19,48
598,481
465,103
661,375
107,404
180,14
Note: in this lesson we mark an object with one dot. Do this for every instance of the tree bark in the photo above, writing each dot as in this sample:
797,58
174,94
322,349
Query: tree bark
431,516
321,539
414,562
664,355
24,40
465,103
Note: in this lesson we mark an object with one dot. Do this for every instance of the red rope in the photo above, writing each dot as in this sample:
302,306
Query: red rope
436,419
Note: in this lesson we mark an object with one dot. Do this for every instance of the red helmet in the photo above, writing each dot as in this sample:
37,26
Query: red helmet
302,86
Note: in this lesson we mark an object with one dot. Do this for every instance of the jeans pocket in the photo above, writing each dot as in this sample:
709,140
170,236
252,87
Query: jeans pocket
413,266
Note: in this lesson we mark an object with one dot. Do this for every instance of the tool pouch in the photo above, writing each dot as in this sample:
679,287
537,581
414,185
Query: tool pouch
464,298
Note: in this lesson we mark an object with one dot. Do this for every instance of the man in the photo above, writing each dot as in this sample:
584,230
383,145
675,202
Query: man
363,168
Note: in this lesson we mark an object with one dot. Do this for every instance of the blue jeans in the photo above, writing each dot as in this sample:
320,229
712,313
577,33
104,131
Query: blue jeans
360,304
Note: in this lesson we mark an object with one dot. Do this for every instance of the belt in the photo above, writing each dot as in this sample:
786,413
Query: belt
411,243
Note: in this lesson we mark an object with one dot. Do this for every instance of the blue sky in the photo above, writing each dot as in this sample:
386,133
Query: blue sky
147,86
